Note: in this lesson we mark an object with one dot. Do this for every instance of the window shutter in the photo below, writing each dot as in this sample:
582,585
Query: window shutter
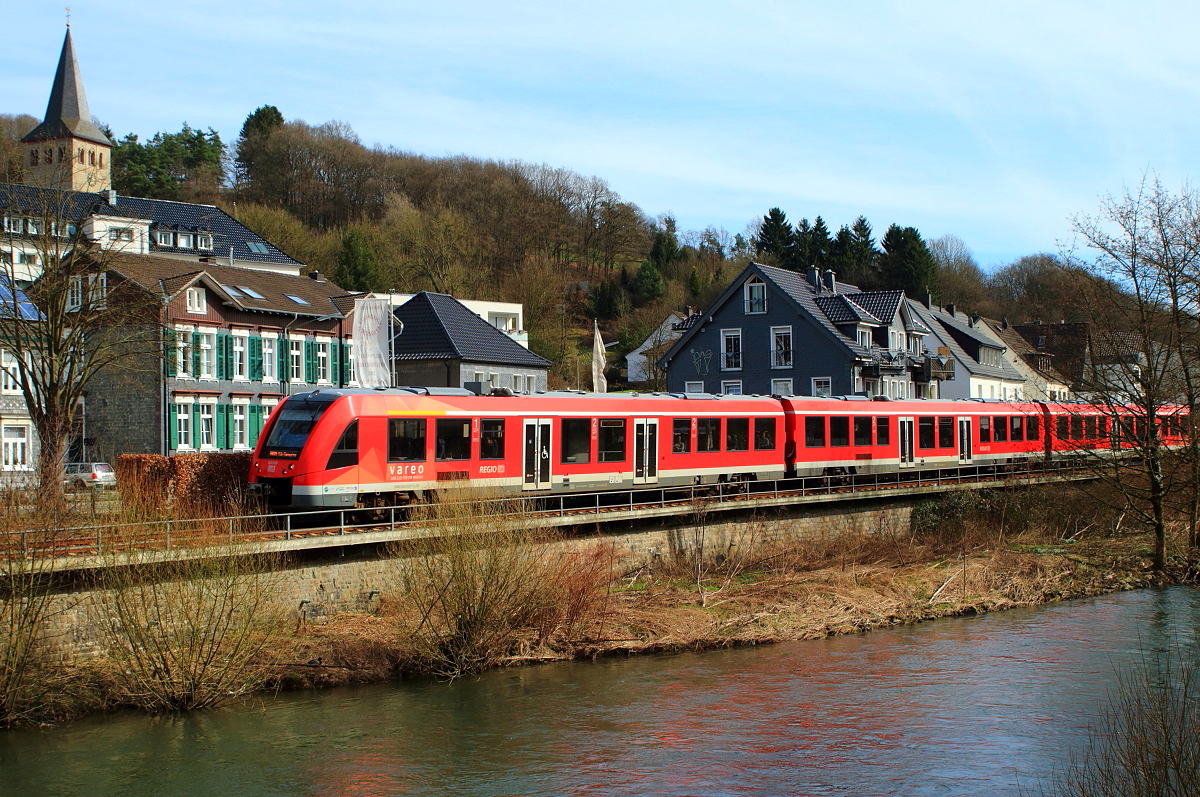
195,354
173,430
346,363
255,421
220,356
170,351
310,361
335,363
222,439
256,359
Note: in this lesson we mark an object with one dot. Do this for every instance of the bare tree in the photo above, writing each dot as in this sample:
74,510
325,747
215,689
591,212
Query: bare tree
74,325
1143,257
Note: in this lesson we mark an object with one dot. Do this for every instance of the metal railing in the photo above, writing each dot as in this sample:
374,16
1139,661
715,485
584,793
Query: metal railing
561,509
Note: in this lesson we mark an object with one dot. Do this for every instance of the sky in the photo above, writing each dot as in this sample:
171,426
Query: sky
997,123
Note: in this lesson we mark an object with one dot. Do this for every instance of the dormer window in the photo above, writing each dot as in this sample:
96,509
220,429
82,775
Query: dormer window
186,240
164,238
203,241
914,343
755,296
864,337
120,234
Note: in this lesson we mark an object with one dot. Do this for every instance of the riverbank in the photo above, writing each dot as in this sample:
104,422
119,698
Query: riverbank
803,589
186,632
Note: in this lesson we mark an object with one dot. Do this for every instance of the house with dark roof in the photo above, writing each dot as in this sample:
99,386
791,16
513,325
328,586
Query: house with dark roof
775,331
981,370
1043,382
235,342
442,343
1097,364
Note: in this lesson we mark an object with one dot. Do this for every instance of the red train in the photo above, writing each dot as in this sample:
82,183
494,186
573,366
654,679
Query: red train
368,448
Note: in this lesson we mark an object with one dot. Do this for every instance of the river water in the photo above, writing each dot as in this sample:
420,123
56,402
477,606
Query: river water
983,705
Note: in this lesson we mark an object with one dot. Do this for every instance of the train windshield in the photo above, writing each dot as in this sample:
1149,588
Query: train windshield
291,429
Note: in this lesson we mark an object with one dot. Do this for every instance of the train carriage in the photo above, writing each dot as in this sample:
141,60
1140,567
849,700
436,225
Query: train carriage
850,435
346,448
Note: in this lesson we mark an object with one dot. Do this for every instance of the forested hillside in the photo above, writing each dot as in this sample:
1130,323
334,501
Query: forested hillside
566,245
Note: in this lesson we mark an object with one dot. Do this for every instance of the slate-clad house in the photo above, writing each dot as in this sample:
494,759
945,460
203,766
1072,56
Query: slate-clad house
444,344
775,331
235,341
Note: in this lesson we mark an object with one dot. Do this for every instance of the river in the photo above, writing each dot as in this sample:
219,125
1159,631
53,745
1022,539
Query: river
969,706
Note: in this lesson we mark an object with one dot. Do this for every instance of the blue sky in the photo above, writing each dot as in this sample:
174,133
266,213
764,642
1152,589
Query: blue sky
996,124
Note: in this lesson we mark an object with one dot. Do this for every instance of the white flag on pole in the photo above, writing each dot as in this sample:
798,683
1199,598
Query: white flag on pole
372,342
599,360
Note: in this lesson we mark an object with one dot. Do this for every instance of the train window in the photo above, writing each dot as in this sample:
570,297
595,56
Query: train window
453,439
291,429
737,434
814,431
1032,432
708,434
1063,431
576,440
1089,424
1139,428
345,453
1000,429
862,431
945,432
764,434
926,428
681,436
1076,427
611,440
491,439
985,429
1104,426
839,430
1018,428
406,440
883,431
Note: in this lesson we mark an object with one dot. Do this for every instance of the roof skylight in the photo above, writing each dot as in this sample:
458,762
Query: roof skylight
295,298
253,294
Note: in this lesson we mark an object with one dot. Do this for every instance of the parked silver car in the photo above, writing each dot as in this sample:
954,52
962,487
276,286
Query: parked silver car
89,476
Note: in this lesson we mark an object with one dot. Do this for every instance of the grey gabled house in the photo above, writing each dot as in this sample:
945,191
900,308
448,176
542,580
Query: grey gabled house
775,331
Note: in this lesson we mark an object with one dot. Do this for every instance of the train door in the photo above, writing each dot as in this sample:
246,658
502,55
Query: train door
906,442
965,454
645,450
537,454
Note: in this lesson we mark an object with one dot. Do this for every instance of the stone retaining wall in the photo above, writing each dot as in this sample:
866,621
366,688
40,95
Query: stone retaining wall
316,590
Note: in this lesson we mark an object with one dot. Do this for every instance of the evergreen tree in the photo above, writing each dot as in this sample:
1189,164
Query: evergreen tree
820,246
183,166
907,264
859,259
647,284
357,270
255,132
801,246
775,238
665,251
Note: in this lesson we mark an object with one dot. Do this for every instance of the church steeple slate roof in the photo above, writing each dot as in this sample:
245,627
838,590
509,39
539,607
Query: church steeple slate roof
67,112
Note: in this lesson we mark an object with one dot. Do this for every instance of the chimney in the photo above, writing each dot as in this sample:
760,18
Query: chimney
813,275
950,310
830,281
316,275
928,300
1004,323
110,196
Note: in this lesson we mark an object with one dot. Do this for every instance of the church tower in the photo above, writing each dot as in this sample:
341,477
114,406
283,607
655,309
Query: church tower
67,151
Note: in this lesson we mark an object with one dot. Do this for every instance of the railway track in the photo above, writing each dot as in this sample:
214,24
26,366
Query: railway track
101,545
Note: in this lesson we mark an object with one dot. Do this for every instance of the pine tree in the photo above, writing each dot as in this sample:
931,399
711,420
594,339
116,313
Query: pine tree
820,246
647,284
357,270
907,264
775,238
860,258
